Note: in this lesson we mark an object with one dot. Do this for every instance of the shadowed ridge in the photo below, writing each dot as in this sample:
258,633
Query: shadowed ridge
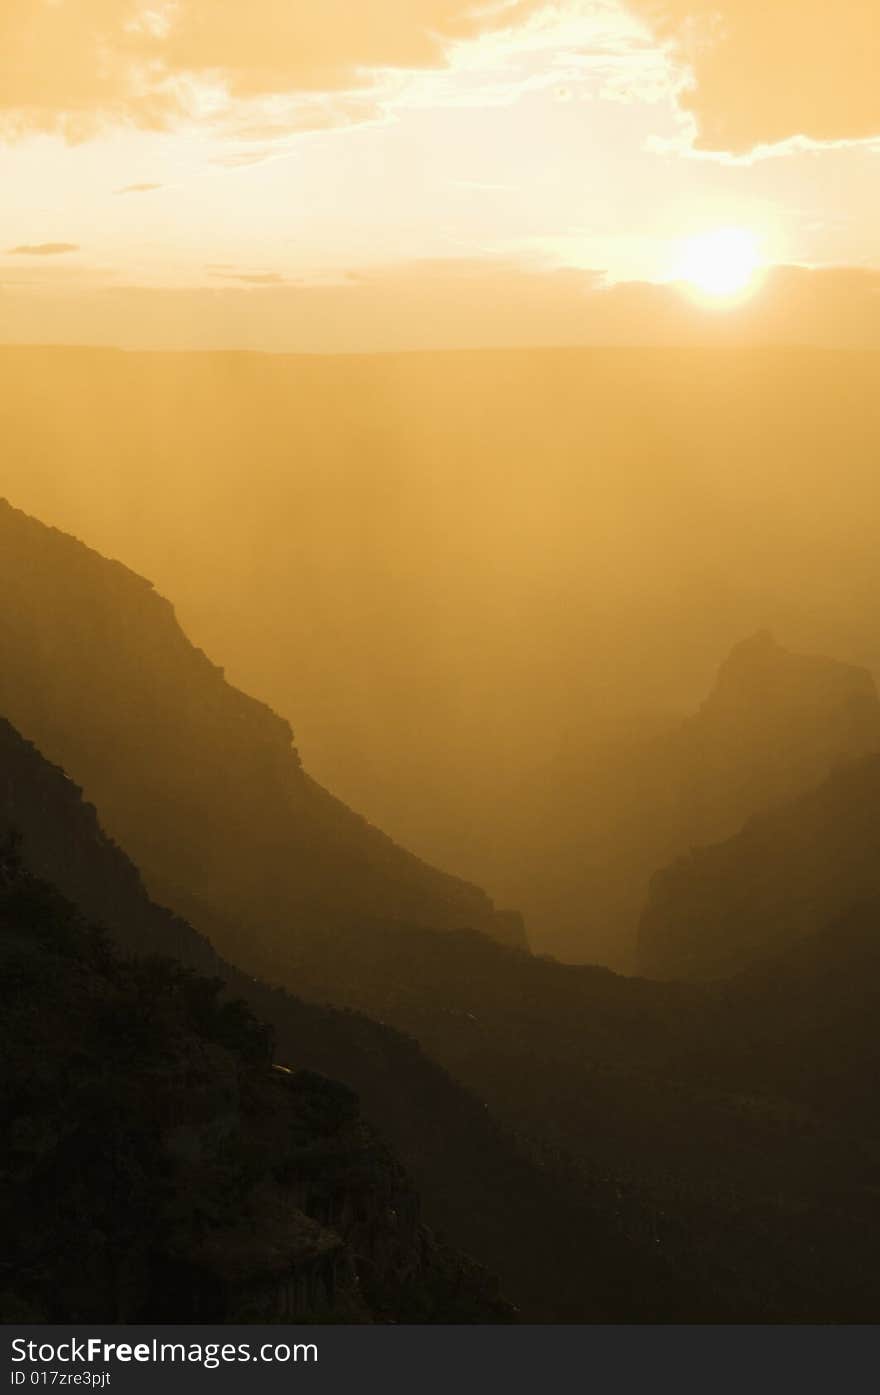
100,675
774,724
780,879
670,1152
63,842
476,1184
158,1169
833,706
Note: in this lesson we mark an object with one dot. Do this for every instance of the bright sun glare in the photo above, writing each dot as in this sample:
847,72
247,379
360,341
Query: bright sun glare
721,264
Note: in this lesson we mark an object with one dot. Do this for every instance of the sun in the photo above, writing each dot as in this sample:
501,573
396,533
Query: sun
722,264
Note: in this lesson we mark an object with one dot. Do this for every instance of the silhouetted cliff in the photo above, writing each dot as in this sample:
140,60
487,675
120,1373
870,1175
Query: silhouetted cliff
63,842
672,1129
611,815
477,1185
158,1168
774,724
464,575
98,673
784,876
633,1156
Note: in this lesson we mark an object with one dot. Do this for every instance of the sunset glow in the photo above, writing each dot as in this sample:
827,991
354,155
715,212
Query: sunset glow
721,264
282,177
439,689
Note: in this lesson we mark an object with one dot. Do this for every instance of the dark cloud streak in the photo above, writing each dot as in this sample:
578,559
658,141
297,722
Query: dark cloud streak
250,278
450,305
42,249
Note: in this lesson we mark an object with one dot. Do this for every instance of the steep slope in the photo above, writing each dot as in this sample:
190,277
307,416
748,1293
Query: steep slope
158,1168
64,843
478,1187
604,1080
447,569
96,670
668,1156
784,876
683,1128
774,724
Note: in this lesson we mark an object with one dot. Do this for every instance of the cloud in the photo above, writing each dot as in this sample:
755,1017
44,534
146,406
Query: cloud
763,71
75,63
447,305
138,188
42,249
251,278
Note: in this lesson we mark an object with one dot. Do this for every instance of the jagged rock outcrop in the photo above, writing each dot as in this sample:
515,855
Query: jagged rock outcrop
700,1120
787,874
476,1185
774,723
63,842
607,1072
157,1168
443,566
95,669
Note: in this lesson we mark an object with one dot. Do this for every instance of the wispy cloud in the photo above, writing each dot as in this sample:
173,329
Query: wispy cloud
256,132
138,188
74,66
250,278
42,249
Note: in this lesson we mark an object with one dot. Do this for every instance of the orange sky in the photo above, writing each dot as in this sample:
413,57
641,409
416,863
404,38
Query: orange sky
405,173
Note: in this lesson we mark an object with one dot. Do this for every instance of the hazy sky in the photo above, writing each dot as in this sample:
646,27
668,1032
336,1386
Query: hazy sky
375,173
